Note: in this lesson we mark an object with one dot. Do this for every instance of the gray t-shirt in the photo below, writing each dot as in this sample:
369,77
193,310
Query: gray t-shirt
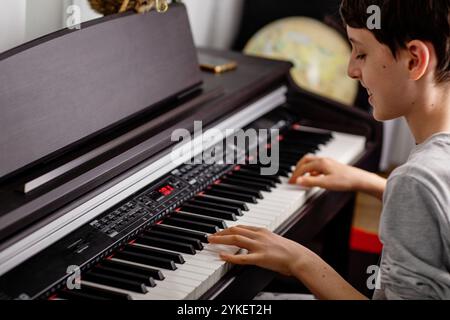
415,225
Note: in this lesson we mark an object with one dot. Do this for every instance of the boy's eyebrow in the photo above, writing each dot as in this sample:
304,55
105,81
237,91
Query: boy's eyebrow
353,41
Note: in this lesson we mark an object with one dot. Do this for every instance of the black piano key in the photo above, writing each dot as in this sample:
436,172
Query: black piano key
295,153
79,295
198,217
204,204
238,204
197,226
197,244
126,275
113,281
284,172
308,135
231,195
297,141
286,165
296,150
250,179
146,271
208,211
258,168
153,252
146,260
290,160
247,173
105,293
230,188
167,244
248,184
202,236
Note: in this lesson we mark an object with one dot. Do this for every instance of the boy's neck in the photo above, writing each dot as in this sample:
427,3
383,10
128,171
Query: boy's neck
433,115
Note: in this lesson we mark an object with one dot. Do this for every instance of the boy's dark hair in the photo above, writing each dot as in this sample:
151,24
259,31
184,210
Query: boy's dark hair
406,20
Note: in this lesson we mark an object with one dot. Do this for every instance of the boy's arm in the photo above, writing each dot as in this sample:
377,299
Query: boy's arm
371,184
312,171
273,252
322,280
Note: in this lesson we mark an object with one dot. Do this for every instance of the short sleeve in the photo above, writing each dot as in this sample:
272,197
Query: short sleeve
411,264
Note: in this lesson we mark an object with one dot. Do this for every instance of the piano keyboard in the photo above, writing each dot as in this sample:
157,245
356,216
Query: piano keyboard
173,260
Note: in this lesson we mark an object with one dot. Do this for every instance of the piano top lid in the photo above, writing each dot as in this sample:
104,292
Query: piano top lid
69,85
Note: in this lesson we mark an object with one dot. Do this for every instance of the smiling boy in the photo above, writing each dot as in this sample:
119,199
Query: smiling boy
405,67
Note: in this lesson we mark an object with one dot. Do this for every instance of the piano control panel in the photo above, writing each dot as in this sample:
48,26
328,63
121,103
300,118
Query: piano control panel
158,199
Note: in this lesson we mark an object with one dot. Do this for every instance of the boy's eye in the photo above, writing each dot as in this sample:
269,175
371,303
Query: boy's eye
361,56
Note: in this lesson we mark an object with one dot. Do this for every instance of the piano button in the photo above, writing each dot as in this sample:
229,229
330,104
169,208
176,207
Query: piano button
209,228
167,244
238,204
231,195
197,244
199,209
149,272
198,217
147,260
248,184
230,188
203,237
153,252
135,286
126,275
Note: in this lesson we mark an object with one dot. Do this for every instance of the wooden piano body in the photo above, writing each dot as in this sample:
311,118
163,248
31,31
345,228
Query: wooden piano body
136,92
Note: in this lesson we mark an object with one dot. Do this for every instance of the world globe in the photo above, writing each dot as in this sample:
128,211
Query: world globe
318,52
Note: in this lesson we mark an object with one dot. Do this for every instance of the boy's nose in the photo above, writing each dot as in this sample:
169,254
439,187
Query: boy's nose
353,71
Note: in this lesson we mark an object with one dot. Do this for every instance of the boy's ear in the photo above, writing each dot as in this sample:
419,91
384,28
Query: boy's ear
418,54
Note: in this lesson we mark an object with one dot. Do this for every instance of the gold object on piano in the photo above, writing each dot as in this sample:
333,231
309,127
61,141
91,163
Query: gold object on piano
319,53
108,7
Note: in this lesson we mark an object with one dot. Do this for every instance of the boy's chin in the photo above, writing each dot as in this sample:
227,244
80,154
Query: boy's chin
382,116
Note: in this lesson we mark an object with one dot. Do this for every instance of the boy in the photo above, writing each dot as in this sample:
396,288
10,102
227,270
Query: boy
405,67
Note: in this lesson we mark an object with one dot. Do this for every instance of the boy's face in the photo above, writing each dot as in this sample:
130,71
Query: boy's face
385,78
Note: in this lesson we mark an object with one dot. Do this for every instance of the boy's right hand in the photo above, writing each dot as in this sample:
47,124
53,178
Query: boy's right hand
313,171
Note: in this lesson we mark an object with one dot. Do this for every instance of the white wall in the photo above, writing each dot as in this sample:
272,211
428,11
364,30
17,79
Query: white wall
397,144
214,22
43,17
12,23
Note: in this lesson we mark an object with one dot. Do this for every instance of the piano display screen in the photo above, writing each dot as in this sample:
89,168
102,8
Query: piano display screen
161,192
